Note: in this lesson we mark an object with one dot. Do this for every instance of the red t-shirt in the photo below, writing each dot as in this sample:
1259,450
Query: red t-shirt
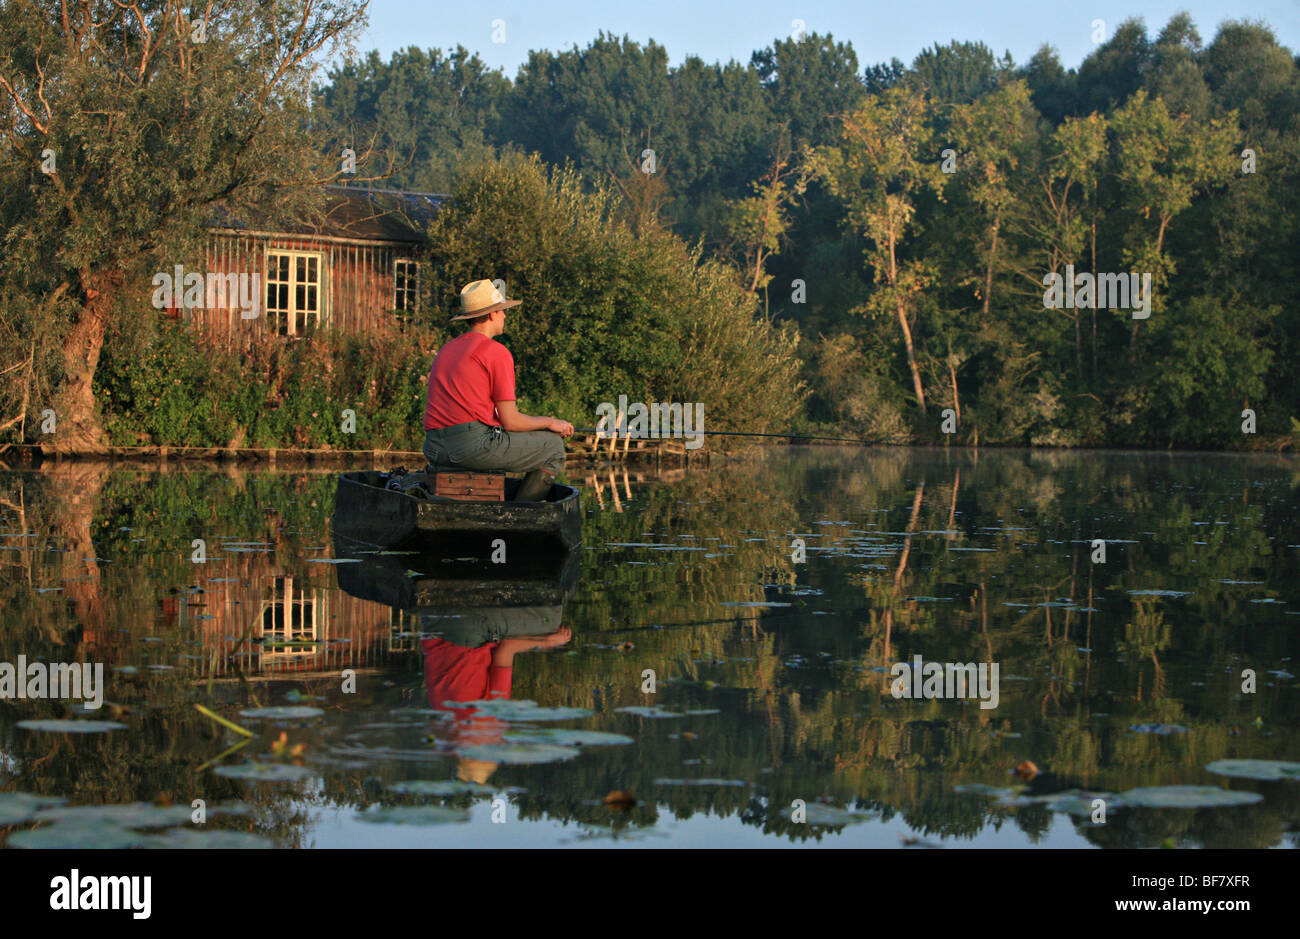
470,375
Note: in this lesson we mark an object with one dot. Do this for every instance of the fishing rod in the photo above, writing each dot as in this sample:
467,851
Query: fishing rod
605,434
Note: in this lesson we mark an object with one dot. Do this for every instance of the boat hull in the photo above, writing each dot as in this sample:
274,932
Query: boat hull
422,583
369,514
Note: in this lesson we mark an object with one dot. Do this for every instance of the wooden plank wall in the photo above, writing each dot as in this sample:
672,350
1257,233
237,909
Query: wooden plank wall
351,632
358,277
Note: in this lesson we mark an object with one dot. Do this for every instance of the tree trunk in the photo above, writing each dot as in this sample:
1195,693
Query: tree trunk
79,485
956,402
78,428
911,355
1078,345
993,253
1094,270
902,321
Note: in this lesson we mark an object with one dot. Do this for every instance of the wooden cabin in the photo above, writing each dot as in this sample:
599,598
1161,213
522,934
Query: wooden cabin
362,269
264,619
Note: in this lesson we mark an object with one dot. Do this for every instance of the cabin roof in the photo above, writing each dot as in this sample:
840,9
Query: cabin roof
356,212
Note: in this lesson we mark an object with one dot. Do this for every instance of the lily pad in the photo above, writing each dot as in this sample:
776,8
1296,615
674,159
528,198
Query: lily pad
1161,729
265,772
1082,805
1256,769
1187,797
1070,801
412,815
355,755
188,838
78,837
132,815
983,790
18,807
71,727
282,713
647,711
441,787
508,709
565,737
829,816
518,753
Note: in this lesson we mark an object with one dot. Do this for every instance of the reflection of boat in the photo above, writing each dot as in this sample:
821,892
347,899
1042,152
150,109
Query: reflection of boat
418,581
365,511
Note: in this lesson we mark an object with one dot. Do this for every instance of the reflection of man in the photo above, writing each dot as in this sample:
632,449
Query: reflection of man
471,420
473,660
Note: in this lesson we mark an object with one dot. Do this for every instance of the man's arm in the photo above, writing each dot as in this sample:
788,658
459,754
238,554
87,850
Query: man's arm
512,420
503,656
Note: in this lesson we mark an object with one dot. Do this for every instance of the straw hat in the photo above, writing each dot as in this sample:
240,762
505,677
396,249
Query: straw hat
481,297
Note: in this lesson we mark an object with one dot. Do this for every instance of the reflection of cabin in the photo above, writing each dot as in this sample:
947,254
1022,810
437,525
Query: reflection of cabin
296,622
359,270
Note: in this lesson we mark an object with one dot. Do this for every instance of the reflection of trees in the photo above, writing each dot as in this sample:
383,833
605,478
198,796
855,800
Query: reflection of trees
809,727
1145,637
80,484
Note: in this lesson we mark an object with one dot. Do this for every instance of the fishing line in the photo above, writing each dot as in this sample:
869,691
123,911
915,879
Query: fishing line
607,435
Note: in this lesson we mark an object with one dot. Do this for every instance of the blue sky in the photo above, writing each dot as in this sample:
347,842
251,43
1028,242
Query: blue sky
722,30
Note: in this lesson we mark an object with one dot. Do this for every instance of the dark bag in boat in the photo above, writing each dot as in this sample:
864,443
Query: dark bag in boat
413,484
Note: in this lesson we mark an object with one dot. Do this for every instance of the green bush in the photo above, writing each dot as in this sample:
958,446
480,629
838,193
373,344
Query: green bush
174,386
607,311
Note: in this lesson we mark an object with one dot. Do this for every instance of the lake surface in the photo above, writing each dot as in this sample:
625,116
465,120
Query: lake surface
767,601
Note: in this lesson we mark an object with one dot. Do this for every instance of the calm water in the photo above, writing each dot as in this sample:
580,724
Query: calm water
771,673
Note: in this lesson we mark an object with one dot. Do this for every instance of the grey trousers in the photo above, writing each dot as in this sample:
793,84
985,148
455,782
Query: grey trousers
471,628
476,446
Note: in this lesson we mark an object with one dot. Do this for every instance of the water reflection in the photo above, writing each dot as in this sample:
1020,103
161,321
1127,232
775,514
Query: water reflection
472,620
771,666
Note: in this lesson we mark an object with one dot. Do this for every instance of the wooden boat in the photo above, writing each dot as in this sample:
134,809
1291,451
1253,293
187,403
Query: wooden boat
367,512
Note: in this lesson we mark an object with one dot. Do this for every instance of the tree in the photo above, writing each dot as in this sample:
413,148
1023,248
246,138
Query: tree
1052,87
758,223
876,78
1175,74
608,309
1162,162
156,122
428,113
996,137
810,82
887,160
1112,74
957,73
1248,72
603,107
1063,222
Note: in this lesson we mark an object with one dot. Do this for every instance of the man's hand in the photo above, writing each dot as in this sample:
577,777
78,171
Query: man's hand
557,638
513,421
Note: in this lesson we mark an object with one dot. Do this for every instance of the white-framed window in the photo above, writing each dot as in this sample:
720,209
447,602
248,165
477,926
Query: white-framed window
290,622
406,285
295,293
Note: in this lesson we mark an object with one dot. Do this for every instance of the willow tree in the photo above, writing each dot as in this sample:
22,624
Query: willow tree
127,128
888,159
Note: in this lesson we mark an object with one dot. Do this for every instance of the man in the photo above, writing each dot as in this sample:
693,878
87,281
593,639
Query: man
471,421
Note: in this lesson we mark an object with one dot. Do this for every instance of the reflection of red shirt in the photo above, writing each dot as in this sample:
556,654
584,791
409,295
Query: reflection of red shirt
470,375
454,673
